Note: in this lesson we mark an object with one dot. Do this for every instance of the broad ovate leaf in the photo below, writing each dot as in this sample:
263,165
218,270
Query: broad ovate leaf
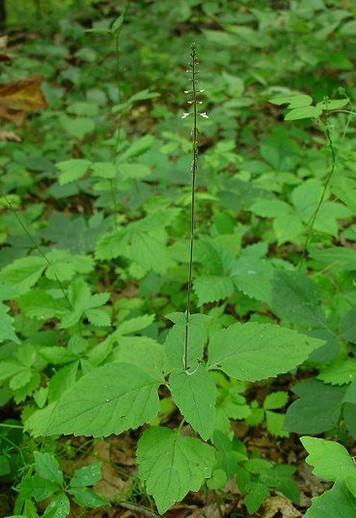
255,351
109,399
195,395
171,464
330,460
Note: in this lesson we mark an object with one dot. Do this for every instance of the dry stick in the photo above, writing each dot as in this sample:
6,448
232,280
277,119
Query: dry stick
192,210
139,509
326,185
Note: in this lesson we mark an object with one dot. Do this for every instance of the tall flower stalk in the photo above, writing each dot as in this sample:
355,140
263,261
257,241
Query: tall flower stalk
193,101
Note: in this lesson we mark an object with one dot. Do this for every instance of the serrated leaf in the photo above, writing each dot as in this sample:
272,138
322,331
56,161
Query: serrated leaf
317,410
195,395
23,272
109,399
150,252
86,476
197,337
330,460
253,276
58,508
171,465
337,502
340,372
333,104
305,112
293,100
47,467
211,288
275,400
275,424
87,498
7,331
254,351
71,170
104,169
132,349
133,325
296,298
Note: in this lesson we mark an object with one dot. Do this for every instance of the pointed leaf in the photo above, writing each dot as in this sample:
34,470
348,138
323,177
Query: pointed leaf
195,396
171,465
256,351
109,399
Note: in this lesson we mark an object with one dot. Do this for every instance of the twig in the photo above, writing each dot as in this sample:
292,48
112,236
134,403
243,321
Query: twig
139,509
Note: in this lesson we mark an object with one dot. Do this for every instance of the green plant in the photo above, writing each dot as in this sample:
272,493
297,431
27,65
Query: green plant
332,463
97,237
48,481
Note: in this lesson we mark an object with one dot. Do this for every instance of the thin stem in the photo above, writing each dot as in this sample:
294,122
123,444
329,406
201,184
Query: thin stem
322,196
192,206
38,248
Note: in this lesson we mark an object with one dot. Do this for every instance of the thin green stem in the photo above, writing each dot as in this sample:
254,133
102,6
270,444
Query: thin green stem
312,220
192,206
38,248
5,425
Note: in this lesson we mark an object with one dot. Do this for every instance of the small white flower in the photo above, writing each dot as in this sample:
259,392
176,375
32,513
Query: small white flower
204,115
185,115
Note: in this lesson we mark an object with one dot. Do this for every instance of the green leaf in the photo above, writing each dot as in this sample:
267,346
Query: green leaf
104,170
150,252
7,331
41,305
133,325
83,304
336,258
275,400
275,424
171,465
195,395
109,399
335,503
86,476
333,104
87,498
257,494
253,276
305,112
317,410
72,170
296,298
198,338
348,326
341,372
64,266
132,349
23,272
293,100
256,351
48,468
58,508
37,488
211,288
331,461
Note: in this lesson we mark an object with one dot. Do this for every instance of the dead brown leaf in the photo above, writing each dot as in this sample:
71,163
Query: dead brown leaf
9,135
23,95
279,506
111,486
